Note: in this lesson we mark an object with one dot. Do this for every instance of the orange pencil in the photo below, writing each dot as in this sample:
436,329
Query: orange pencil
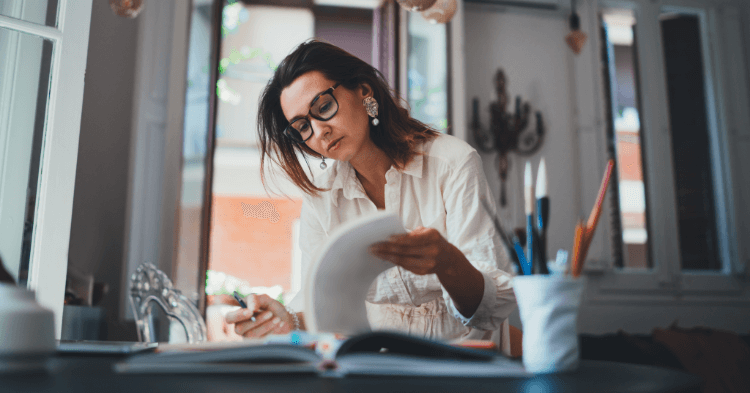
596,211
578,240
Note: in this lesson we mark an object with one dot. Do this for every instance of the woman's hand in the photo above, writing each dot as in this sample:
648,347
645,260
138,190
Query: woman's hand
425,251
421,251
270,317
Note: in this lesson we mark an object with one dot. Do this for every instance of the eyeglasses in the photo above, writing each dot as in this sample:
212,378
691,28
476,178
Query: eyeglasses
323,108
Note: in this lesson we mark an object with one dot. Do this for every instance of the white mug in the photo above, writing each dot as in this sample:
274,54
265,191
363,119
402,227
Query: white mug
27,330
548,306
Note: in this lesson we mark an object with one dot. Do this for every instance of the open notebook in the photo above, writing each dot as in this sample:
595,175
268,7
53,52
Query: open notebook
374,353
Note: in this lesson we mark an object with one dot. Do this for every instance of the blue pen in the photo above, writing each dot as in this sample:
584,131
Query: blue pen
525,266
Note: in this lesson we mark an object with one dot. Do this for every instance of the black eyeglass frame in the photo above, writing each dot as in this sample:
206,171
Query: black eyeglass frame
293,134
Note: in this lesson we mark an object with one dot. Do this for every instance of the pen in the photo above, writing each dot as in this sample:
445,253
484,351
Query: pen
525,265
242,303
528,194
542,214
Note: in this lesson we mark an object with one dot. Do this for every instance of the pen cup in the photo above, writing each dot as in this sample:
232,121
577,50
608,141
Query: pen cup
548,306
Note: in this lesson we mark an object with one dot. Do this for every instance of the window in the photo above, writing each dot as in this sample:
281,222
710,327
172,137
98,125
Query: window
671,207
691,142
427,75
41,95
253,235
624,141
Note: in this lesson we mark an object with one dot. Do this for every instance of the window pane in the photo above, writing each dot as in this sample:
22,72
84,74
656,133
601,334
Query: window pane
691,142
625,140
427,71
35,11
25,62
195,134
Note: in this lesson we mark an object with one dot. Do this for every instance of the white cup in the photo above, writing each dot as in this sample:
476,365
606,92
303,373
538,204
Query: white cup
27,330
548,305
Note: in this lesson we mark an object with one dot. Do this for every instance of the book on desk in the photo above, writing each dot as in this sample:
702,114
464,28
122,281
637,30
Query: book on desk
368,354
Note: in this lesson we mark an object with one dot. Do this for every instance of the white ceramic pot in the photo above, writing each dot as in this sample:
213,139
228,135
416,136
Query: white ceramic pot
27,330
548,306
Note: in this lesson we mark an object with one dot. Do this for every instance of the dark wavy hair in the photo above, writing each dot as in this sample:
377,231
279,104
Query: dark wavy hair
398,134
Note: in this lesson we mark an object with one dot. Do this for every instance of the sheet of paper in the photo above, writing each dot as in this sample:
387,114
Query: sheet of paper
340,277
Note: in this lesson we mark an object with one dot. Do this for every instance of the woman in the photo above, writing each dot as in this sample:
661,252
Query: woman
450,278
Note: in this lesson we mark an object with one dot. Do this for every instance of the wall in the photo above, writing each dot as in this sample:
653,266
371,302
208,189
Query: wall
539,66
97,227
530,49
348,28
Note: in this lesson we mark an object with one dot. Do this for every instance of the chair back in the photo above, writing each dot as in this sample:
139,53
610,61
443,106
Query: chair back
155,303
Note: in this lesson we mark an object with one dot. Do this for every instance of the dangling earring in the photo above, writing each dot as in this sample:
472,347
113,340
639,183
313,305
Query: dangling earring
371,106
323,164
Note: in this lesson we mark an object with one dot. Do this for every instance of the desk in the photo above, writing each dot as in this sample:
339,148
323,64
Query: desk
81,374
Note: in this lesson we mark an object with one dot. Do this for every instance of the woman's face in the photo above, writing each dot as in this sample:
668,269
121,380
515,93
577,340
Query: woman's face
345,134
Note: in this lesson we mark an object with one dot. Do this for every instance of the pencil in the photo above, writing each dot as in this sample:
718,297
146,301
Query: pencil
596,211
577,263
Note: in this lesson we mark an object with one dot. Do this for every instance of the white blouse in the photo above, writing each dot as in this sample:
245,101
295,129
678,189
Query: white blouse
441,189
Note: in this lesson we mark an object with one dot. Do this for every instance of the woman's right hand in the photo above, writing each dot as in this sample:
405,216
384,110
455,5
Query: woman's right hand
270,317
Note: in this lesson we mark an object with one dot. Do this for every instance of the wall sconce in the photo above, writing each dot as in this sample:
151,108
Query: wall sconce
508,132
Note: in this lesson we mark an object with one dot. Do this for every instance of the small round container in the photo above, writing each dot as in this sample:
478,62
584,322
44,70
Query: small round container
27,331
548,306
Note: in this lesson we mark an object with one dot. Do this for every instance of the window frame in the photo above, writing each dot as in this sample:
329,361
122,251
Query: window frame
54,204
666,278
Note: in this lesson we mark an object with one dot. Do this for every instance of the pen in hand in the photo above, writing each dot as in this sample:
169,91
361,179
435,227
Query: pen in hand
242,303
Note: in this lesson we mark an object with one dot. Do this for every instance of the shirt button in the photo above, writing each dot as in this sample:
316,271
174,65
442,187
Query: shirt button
392,274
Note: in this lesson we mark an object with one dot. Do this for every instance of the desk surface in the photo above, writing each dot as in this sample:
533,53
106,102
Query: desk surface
81,374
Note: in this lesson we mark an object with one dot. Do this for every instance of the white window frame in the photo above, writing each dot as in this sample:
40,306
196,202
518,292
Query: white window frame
54,204
666,278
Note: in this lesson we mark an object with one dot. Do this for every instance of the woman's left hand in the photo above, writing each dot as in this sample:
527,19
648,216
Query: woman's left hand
421,251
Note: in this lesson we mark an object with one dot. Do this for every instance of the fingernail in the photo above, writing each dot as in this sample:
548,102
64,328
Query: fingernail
267,316
276,320
281,324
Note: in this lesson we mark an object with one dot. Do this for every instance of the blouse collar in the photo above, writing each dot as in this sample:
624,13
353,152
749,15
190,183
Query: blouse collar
345,178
